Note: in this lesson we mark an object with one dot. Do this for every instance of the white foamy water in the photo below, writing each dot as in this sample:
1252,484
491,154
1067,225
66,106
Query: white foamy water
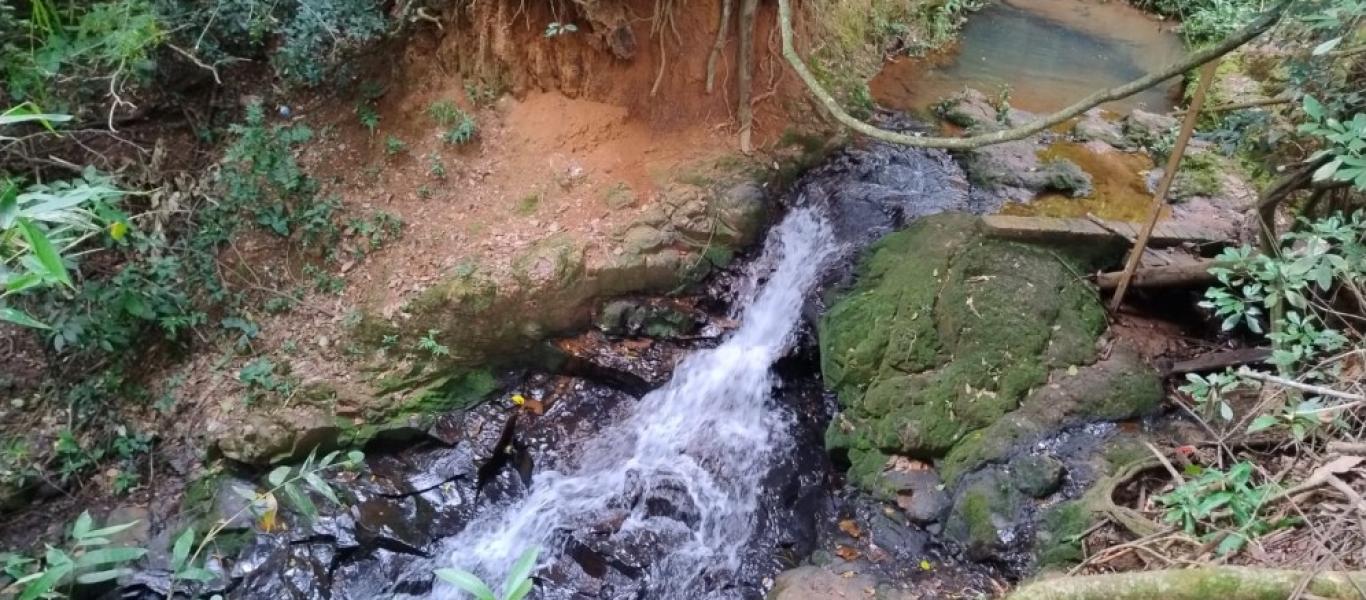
706,436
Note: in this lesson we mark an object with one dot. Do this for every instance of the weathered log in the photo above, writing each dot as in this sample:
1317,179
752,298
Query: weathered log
1192,274
1202,583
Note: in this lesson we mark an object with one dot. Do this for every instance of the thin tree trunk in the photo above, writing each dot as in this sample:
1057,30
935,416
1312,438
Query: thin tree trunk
719,45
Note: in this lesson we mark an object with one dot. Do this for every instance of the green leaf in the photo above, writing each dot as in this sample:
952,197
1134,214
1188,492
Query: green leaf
321,487
106,556
521,570
81,528
195,574
46,254
301,501
1313,108
466,581
355,456
44,584
101,576
1230,544
277,476
9,203
181,551
1326,171
112,529
1261,423
520,591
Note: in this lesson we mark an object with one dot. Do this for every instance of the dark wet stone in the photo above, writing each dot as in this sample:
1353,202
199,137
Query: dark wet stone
287,571
1036,475
391,523
985,516
379,572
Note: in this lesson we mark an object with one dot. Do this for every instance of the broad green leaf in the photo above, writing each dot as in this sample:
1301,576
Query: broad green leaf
277,476
1313,108
521,569
106,556
355,456
181,551
9,203
19,317
466,581
81,528
1230,544
101,576
43,251
1261,423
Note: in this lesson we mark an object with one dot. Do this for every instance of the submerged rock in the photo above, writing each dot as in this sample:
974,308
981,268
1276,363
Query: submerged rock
968,108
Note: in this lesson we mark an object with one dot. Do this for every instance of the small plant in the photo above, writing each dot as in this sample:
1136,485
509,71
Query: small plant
368,117
515,587
1218,503
428,343
1346,144
89,558
528,204
1209,392
462,132
393,146
379,228
324,282
445,113
260,379
424,192
435,167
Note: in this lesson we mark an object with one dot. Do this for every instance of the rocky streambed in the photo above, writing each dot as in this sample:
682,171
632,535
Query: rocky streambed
920,413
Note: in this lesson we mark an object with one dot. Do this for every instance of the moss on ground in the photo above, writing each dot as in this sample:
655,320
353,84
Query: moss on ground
1057,538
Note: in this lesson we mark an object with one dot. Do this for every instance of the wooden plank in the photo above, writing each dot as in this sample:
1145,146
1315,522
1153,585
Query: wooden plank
1048,229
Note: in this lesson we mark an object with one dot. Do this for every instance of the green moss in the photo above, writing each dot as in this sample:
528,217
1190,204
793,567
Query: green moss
945,332
1200,174
1057,537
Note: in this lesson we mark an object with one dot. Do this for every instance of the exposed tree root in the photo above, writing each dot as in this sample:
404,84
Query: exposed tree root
1100,499
1195,59
1203,583
745,65
719,45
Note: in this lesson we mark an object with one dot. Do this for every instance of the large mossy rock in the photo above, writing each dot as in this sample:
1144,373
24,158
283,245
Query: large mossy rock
945,333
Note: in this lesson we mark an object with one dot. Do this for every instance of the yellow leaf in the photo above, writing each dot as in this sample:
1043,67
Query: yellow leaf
925,565
518,399
266,508
118,229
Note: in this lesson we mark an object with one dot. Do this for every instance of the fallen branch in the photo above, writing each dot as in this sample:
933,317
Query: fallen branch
1202,583
1195,59
1194,274
1216,361
1260,102
1291,383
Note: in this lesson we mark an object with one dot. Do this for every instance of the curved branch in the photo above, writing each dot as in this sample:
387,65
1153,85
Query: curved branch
1195,59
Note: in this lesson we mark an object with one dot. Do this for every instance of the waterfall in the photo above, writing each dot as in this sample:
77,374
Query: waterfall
699,445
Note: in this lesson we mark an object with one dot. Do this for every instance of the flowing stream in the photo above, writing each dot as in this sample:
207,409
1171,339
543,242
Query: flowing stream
682,472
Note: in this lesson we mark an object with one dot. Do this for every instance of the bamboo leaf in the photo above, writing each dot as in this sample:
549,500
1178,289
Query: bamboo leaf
321,487
41,586
521,570
181,551
106,556
466,581
46,254
101,576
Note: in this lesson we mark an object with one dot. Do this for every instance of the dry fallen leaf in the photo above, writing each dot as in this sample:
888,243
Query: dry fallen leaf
846,552
850,527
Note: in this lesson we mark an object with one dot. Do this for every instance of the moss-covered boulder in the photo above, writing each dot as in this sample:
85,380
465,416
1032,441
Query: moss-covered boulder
944,333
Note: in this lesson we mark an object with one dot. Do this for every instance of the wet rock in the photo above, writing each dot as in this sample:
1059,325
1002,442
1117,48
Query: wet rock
816,583
1144,128
968,108
639,317
945,332
1097,125
1118,387
1035,475
286,571
1014,171
1056,536
391,523
378,573
919,493
985,514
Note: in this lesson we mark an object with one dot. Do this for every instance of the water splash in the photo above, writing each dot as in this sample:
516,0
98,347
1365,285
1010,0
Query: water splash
698,447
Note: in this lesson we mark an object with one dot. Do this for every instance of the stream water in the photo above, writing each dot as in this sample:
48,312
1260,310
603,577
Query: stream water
1047,53
694,449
